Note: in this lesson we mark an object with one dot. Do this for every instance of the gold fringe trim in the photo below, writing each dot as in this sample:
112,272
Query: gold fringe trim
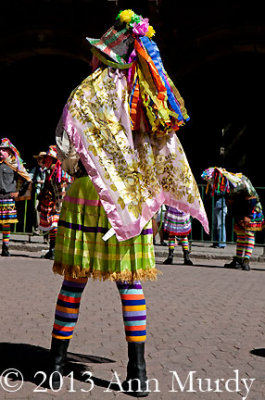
9,221
128,276
239,229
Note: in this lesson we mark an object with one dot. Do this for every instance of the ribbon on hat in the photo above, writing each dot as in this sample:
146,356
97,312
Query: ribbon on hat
154,53
152,88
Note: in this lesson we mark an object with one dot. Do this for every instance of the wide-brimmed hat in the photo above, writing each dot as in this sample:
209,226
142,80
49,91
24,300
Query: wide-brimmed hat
40,155
117,42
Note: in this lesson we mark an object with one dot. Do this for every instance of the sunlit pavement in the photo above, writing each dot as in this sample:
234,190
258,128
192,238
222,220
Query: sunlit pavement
205,331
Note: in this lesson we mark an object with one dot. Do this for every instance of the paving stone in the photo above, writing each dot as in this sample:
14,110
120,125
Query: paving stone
203,318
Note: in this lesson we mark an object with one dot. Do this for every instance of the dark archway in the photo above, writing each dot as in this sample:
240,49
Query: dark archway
225,101
214,53
36,89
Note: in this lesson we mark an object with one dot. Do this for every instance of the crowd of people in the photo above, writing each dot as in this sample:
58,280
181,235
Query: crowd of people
117,169
47,183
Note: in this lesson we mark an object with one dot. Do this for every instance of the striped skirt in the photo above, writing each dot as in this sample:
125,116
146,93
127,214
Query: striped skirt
8,212
252,226
177,223
256,223
80,250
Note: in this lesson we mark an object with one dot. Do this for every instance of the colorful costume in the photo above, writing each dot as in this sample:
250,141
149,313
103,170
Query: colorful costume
50,198
38,175
117,138
178,226
11,168
244,205
81,249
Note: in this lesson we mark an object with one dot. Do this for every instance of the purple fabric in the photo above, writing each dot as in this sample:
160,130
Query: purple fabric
134,313
139,318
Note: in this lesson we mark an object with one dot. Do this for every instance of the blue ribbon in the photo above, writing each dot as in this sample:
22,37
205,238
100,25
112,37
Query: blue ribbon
154,53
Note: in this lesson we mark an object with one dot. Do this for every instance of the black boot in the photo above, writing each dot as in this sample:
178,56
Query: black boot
245,264
5,252
187,260
169,260
136,371
236,263
58,354
50,254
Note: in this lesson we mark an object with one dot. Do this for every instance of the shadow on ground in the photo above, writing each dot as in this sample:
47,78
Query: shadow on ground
33,255
180,264
210,266
29,360
258,352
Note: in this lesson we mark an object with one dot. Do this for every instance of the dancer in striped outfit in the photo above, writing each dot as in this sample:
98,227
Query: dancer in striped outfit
117,129
81,253
11,169
178,225
133,309
51,196
244,204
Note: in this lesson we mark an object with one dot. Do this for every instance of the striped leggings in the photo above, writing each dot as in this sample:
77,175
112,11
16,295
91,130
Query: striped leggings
245,244
52,236
6,233
133,309
182,241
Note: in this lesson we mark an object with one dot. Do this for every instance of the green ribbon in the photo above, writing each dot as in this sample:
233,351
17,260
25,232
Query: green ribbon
112,64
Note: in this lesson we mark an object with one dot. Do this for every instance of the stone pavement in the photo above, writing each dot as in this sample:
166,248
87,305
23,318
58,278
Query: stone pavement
205,327
198,249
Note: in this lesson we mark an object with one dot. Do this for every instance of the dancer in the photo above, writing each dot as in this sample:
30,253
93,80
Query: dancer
244,204
117,129
51,196
178,226
11,169
37,174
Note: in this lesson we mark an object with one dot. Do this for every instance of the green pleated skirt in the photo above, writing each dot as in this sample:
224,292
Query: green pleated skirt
80,250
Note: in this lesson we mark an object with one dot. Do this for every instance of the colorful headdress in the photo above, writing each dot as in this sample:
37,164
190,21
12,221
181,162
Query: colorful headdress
121,121
5,143
129,44
15,161
58,174
117,42
220,179
52,152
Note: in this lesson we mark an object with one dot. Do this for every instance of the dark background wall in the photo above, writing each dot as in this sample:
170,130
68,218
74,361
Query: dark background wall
214,52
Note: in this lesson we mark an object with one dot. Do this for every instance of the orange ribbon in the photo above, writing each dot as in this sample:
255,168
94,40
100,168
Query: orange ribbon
161,95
